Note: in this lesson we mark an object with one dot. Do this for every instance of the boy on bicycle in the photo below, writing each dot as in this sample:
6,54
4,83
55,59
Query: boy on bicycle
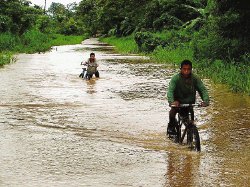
92,65
182,90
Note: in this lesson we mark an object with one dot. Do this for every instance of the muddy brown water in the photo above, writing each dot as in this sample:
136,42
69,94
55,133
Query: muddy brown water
59,130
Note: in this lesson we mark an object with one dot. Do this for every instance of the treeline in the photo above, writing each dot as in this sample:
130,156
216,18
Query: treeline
212,33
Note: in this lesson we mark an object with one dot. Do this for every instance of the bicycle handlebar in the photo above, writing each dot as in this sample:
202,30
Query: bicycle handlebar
186,105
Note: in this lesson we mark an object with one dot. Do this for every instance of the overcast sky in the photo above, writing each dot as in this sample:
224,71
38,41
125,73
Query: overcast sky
41,2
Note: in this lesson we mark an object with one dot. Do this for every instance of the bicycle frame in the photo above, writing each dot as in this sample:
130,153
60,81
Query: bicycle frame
185,118
187,122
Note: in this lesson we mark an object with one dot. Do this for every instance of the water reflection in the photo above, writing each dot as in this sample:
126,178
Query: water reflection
91,86
181,169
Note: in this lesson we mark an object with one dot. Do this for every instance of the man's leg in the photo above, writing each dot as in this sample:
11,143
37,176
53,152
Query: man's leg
171,124
97,74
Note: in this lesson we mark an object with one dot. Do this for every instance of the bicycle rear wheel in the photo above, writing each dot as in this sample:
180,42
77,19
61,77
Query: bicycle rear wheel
193,139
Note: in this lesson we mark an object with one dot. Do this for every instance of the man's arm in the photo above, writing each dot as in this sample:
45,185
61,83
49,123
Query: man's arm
85,62
96,62
171,88
202,91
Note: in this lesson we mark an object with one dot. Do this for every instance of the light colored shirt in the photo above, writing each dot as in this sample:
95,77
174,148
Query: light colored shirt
92,66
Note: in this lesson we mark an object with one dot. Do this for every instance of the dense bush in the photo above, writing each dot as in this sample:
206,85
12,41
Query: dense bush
228,29
34,40
8,41
6,57
147,42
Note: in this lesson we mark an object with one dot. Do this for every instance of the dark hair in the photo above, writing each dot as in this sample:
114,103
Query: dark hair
186,62
92,54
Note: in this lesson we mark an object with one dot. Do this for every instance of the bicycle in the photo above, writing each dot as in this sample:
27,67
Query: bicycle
84,73
88,72
184,127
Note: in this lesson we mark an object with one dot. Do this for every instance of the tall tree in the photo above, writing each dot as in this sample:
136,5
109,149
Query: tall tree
57,10
44,6
17,16
231,23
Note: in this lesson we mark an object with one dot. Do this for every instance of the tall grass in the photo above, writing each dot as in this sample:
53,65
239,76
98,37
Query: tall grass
173,56
8,41
237,77
58,39
124,45
5,57
33,41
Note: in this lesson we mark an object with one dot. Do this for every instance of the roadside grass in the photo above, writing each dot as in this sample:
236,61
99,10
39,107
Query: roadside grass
5,57
125,45
58,39
171,56
236,76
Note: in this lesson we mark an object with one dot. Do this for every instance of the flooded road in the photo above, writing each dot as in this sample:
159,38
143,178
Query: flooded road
59,130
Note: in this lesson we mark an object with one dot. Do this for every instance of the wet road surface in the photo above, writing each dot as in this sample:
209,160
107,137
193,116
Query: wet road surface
59,130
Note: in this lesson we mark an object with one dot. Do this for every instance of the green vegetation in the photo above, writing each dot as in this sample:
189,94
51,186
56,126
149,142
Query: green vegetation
5,57
174,56
66,40
236,76
124,45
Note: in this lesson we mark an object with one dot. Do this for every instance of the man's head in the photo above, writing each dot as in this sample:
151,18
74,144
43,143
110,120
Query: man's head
186,68
92,56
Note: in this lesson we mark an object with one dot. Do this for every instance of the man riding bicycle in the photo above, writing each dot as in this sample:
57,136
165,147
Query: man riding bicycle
182,90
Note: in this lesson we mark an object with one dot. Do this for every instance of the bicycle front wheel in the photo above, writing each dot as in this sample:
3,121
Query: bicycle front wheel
193,139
